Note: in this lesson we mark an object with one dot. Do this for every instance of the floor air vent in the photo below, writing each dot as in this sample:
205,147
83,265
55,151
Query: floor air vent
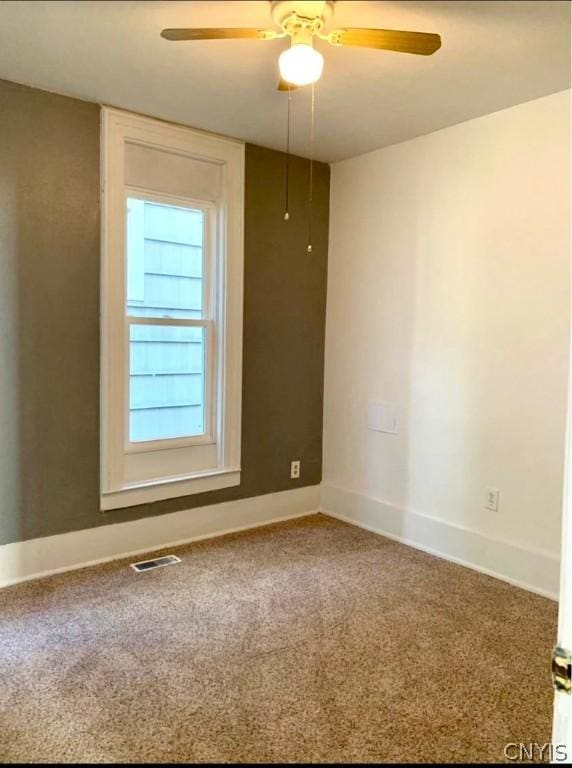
148,565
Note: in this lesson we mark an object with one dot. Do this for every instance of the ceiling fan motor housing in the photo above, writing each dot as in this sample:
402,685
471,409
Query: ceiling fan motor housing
294,15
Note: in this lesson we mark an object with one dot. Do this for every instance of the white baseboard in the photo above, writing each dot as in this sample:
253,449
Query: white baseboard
37,558
532,569
535,570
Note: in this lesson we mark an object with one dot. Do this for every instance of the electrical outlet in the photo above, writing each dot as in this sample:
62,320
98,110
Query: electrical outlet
492,501
294,470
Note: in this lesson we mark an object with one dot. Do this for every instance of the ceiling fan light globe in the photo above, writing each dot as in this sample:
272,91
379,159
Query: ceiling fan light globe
301,64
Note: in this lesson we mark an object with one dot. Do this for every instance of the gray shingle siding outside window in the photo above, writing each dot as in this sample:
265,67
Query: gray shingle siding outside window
165,279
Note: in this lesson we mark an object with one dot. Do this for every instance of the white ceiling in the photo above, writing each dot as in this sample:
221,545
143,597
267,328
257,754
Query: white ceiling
495,54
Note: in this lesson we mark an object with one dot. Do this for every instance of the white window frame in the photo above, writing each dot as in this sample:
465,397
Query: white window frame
210,323
142,472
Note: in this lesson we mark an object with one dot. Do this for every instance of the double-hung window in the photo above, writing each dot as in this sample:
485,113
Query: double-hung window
172,270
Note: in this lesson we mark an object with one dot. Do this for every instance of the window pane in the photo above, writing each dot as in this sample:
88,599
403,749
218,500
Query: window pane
164,260
167,382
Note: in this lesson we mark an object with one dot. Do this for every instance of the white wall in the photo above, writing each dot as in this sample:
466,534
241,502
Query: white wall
448,293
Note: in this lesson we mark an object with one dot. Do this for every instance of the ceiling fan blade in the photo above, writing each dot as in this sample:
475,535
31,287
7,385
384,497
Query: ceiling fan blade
217,33
421,43
284,85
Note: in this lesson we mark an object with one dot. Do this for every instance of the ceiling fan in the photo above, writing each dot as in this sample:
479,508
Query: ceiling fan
301,64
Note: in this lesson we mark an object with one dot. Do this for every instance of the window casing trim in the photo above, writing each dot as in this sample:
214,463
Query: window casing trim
168,488
225,215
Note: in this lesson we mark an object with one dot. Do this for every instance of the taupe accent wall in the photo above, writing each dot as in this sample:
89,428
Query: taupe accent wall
49,322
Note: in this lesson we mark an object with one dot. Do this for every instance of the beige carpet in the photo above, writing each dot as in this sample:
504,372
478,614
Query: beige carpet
308,641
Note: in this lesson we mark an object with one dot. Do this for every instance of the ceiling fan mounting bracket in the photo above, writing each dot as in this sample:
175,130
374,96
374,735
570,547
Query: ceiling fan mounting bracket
334,38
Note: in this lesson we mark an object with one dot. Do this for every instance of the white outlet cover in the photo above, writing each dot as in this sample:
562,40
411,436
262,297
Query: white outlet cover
492,499
382,417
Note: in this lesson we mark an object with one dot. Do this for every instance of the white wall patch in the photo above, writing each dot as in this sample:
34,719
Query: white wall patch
382,417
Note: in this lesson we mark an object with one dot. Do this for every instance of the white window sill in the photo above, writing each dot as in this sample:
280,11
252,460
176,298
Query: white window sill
147,493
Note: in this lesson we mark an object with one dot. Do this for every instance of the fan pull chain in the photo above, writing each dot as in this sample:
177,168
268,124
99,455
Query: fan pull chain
287,211
311,191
